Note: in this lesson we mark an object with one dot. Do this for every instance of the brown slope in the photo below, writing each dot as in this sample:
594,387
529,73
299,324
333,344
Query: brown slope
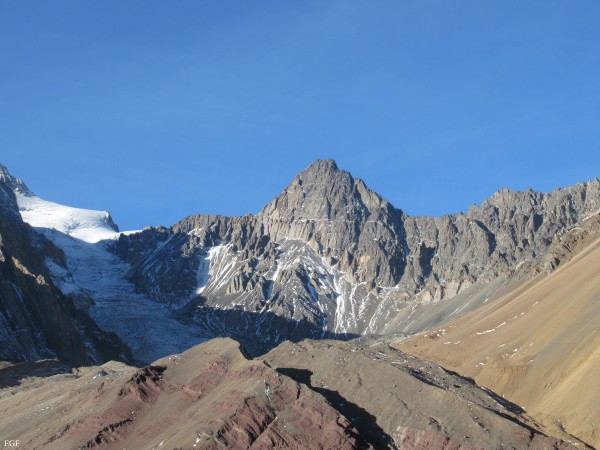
312,395
539,344
400,401
209,397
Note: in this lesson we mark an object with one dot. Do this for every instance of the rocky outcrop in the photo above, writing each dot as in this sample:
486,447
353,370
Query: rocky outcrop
36,319
566,245
332,257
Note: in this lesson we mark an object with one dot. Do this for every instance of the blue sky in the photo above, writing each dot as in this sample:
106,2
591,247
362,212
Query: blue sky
156,110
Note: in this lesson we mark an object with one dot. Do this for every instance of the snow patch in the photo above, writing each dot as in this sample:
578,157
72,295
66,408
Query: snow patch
479,333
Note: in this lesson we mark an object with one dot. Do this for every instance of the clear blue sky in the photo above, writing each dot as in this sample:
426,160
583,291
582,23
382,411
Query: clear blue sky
155,110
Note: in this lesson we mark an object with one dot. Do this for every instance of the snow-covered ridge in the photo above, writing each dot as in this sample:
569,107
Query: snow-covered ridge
84,224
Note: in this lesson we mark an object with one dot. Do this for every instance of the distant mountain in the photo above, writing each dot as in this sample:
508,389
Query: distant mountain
91,277
328,257
36,319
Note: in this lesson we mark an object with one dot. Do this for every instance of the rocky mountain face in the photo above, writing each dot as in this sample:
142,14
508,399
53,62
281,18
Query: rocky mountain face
310,395
36,319
330,258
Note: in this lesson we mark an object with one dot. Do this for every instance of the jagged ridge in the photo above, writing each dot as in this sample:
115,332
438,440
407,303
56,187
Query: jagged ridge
331,256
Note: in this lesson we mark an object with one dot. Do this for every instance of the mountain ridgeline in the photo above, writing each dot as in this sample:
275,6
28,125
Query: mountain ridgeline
329,257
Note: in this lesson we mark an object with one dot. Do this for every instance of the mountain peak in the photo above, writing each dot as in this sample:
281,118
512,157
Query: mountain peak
83,224
323,166
322,171
14,183
322,191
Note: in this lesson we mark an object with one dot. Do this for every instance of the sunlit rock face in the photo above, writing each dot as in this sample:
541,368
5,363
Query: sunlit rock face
330,257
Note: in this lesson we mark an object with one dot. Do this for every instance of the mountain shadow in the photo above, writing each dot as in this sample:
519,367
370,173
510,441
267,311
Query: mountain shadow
13,374
257,333
364,422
